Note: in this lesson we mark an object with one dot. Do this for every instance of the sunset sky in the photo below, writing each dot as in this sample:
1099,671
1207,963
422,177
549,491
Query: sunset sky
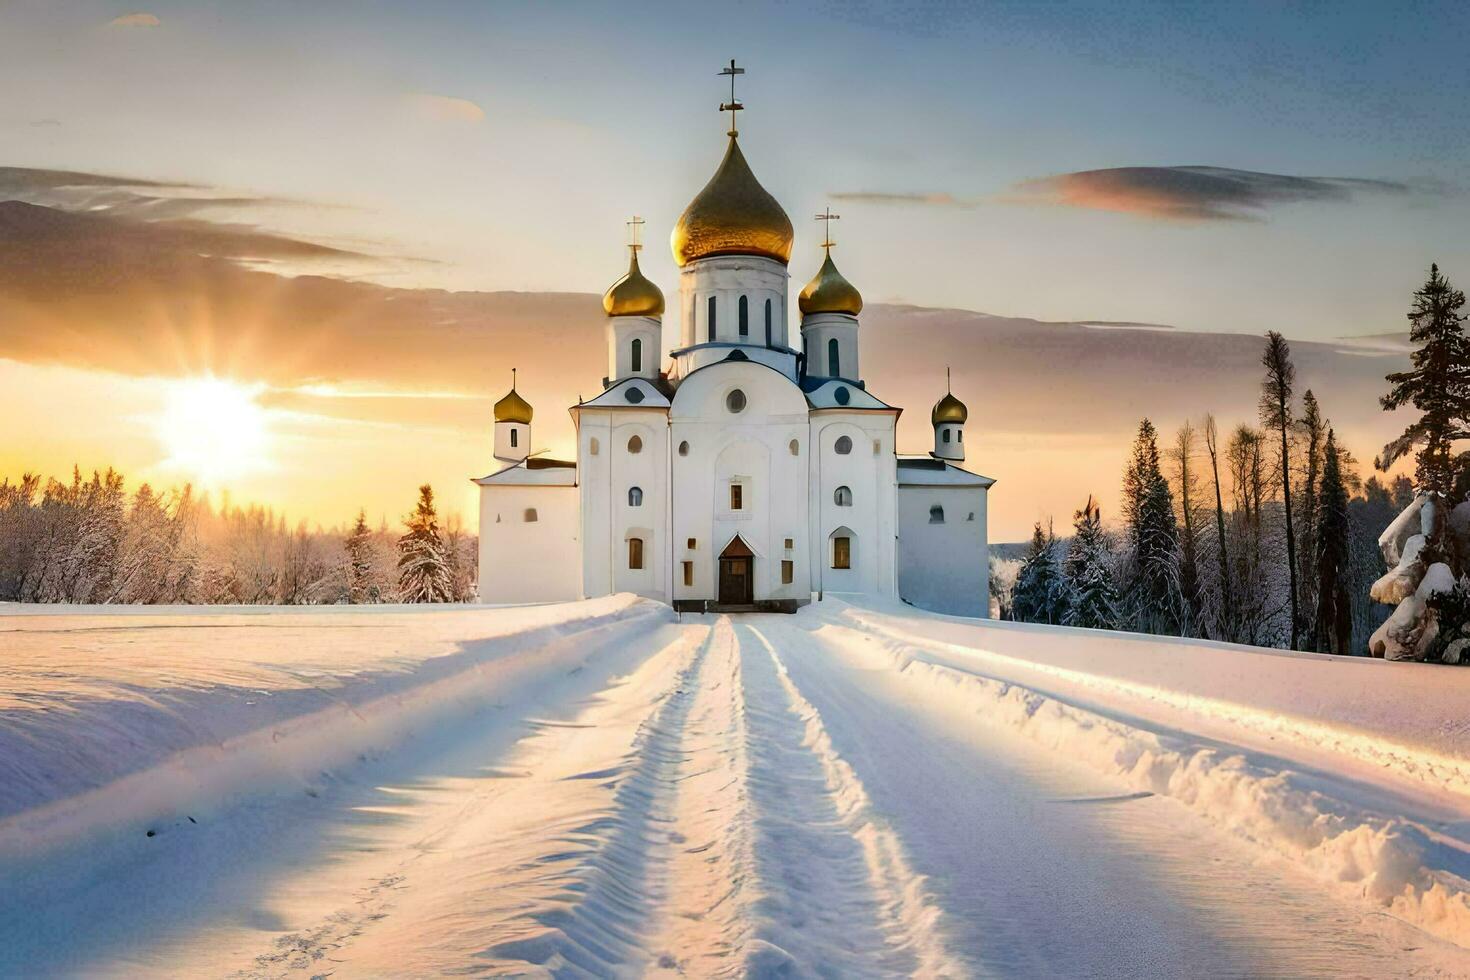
1215,168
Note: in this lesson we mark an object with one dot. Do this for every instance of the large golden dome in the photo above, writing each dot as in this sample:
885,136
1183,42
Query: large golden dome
633,295
949,409
829,292
733,215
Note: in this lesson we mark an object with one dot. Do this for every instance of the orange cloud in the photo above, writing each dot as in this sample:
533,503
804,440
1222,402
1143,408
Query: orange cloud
446,108
135,20
1194,193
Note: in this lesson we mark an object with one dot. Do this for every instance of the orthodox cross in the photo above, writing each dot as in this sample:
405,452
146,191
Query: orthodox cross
827,217
634,226
732,106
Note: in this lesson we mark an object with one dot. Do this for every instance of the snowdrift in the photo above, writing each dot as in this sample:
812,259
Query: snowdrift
1119,703
115,717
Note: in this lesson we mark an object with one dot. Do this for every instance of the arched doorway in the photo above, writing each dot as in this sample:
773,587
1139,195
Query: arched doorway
737,578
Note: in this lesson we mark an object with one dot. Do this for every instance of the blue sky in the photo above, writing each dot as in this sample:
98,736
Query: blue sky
594,111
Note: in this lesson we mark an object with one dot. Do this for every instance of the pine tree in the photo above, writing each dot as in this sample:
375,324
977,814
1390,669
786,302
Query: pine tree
1226,612
1093,597
423,573
359,547
1155,599
1040,593
1186,479
1438,385
1311,428
1276,391
1334,605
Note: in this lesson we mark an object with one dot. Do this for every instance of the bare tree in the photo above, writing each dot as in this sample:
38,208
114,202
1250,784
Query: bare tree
1212,444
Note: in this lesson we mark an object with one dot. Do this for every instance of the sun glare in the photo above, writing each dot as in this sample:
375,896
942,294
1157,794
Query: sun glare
213,429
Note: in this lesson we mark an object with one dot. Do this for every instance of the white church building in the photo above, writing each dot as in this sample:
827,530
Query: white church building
743,469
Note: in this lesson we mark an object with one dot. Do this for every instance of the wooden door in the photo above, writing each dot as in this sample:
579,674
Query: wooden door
736,587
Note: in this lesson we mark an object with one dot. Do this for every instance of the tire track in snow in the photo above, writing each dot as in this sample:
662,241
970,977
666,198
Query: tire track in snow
840,895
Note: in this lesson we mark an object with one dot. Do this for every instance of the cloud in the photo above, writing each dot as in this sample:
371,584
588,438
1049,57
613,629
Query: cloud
139,19
936,198
446,108
1195,193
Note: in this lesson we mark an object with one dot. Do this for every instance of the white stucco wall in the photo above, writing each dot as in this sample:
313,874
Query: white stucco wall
752,447
944,567
524,561
608,520
621,331
870,472
819,328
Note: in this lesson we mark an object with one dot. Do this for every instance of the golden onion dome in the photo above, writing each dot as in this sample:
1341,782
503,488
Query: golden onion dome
829,292
513,408
733,215
949,409
633,295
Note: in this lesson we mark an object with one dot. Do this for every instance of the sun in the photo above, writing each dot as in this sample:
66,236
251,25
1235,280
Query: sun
213,429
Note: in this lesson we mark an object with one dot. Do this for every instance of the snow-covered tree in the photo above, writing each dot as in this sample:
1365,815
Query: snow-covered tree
1311,432
1154,601
1040,595
1093,598
423,572
1276,416
362,586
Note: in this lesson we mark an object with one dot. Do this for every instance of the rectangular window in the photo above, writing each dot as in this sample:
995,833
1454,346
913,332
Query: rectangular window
691,544
635,552
790,544
711,319
512,438
688,573
737,497
842,552
788,572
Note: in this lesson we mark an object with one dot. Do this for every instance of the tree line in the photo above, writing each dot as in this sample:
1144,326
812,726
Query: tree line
1268,534
91,541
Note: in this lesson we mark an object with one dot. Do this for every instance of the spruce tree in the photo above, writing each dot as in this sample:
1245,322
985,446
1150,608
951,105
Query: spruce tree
1276,391
423,573
1437,384
359,548
1334,604
1093,597
1040,593
1312,429
1155,599
1226,612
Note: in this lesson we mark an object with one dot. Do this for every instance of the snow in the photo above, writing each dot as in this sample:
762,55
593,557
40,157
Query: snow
601,788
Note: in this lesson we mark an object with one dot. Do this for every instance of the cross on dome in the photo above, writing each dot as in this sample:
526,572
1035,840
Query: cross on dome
635,225
827,217
733,106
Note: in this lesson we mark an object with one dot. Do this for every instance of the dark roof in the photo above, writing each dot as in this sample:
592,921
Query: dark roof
923,464
542,463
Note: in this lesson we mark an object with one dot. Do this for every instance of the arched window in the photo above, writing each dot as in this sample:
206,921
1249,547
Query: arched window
635,445
936,514
843,446
744,317
711,319
635,553
637,354
834,363
769,338
530,515
944,435
842,496
795,448
684,448
735,401
513,434
592,446
635,496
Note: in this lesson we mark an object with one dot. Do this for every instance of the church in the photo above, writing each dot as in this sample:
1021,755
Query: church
742,469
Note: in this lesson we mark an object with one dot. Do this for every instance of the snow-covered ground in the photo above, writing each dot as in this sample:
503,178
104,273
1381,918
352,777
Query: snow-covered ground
600,788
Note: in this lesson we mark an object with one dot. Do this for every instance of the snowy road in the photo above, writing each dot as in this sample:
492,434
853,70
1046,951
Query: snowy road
758,795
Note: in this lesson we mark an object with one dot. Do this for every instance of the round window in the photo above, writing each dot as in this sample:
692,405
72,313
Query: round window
684,448
843,445
635,445
842,395
634,395
735,401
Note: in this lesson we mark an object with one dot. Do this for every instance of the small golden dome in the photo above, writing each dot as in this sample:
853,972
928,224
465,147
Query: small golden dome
513,408
733,215
829,292
633,295
949,409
